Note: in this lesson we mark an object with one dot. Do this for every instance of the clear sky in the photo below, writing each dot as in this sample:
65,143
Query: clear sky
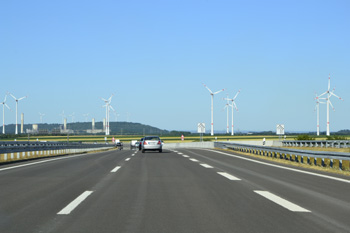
155,55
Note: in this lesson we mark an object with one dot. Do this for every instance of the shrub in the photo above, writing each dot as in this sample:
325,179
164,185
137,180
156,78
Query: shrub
304,137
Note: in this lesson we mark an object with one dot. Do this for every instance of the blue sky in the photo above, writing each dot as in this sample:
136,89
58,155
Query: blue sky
155,55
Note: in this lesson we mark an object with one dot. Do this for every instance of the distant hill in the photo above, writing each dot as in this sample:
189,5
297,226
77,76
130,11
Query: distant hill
121,128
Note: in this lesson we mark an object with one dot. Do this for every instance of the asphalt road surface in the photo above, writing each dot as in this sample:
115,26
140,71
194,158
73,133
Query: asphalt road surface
187,190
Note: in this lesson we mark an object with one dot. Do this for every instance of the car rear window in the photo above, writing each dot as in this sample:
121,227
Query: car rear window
152,138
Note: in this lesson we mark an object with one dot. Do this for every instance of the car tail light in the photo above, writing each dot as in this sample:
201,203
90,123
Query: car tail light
159,142
144,143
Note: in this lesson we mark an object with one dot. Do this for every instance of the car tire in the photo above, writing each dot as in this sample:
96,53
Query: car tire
143,151
160,151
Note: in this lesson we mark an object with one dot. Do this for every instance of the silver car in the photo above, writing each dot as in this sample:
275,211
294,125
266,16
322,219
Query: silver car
151,143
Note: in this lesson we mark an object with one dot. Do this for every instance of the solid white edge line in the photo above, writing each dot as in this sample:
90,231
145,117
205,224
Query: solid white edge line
71,206
116,169
228,176
206,165
282,202
44,161
286,168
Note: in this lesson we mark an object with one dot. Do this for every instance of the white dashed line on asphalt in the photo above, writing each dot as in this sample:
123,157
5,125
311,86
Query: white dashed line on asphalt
194,160
228,176
69,208
116,169
185,156
206,165
282,202
127,159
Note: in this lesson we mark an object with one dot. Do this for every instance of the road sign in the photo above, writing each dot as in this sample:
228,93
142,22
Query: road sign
182,137
201,128
280,130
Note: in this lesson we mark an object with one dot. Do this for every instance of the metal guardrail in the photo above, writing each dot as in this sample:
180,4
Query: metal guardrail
289,154
318,143
22,146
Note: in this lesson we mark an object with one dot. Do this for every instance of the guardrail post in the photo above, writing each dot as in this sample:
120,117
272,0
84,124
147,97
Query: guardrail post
340,164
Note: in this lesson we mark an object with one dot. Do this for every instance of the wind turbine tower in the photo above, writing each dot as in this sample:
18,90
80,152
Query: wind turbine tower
329,94
108,104
233,105
17,100
212,107
3,113
41,117
317,109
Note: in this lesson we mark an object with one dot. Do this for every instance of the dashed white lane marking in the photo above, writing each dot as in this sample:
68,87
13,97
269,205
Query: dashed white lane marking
69,208
194,160
185,156
282,202
286,168
179,153
127,159
228,176
206,165
116,169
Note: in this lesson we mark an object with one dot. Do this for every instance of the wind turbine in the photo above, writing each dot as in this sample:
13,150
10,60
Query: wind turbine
212,107
86,116
3,113
233,105
227,105
62,115
41,117
329,94
16,132
317,109
108,104
72,116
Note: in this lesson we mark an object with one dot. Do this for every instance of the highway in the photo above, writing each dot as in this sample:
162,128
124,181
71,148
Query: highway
185,190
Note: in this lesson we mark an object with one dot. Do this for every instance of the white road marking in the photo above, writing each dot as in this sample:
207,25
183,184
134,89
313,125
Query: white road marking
44,161
286,168
194,160
186,156
228,176
127,159
179,153
69,208
282,202
116,169
206,165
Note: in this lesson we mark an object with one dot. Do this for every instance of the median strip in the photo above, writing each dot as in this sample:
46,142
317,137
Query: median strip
69,208
282,202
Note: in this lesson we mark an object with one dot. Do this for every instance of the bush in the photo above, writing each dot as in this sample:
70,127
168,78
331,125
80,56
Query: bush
336,138
304,137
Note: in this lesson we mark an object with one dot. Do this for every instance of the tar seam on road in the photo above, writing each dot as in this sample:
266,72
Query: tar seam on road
286,168
282,202
69,208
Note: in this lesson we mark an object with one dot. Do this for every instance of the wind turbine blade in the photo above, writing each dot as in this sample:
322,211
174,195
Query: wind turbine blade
234,104
219,91
22,98
329,82
331,105
336,95
7,107
5,98
323,94
207,88
13,96
111,107
236,95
